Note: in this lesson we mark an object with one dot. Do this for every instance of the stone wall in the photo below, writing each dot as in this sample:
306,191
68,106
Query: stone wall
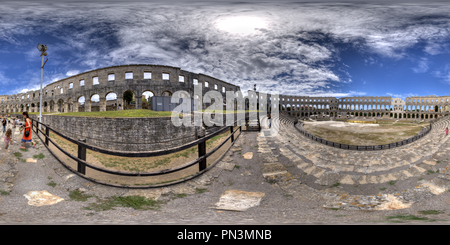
65,95
123,134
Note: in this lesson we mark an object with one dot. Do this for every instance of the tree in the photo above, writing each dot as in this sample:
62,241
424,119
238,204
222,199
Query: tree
128,96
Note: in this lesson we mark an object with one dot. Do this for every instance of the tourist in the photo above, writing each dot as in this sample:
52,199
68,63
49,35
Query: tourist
8,140
269,117
119,106
4,124
27,130
446,131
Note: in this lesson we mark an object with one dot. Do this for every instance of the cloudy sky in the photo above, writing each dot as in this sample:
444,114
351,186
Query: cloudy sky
313,49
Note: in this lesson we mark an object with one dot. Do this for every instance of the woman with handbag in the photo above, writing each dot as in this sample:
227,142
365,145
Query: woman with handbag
27,131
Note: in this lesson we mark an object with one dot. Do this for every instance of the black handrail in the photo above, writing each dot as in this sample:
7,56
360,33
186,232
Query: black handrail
421,134
81,159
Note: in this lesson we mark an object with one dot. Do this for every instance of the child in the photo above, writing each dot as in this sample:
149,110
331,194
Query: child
8,138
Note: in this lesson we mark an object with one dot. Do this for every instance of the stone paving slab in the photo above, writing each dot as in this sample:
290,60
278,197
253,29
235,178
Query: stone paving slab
236,200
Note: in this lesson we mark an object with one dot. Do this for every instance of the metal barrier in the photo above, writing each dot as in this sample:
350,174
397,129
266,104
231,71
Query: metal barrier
82,146
421,134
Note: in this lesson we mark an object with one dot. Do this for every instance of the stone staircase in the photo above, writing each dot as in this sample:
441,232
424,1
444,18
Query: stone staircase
329,165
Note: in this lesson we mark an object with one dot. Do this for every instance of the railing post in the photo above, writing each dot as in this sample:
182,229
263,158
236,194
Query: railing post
82,155
202,152
47,133
232,135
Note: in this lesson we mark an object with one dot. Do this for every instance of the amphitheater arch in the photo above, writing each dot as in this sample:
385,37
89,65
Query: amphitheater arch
147,99
80,104
111,102
129,99
166,93
94,103
52,106
60,104
68,105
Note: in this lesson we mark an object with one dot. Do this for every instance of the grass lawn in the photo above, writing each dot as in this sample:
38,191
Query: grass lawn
126,113
37,113
123,113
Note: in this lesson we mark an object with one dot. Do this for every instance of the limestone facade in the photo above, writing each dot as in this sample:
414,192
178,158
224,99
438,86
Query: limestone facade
64,95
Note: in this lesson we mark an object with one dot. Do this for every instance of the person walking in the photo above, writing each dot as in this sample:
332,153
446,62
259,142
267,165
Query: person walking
446,131
27,131
4,124
8,139
269,118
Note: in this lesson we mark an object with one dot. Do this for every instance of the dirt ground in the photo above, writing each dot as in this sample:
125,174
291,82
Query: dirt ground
363,133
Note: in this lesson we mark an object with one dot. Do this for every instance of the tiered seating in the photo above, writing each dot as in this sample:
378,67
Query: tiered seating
358,167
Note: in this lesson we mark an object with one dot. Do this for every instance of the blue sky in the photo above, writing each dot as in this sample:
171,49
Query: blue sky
313,49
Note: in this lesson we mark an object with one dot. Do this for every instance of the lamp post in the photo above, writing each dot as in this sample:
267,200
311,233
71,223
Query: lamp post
41,48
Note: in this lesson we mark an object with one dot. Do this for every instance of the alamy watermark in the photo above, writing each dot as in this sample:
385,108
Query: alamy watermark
235,109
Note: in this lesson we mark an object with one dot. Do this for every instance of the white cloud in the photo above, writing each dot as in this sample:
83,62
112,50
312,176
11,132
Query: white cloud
422,66
72,73
402,96
443,73
286,49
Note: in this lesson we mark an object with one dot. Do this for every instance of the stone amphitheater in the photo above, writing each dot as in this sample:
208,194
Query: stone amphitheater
283,165
320,167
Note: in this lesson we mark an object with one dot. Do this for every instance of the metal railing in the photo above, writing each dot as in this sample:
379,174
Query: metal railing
421,134
82,147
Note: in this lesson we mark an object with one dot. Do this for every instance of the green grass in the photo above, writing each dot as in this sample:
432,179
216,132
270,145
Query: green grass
237,166
122,113
181,195
37,113
52,184
199,191
40,156
4,193
135,202
382,189
24,150
18,154
77,195
405,217
392,182
430,172
335,185
431,212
